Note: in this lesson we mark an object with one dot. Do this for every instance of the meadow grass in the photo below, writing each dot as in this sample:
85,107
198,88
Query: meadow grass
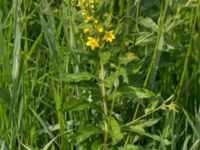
97,74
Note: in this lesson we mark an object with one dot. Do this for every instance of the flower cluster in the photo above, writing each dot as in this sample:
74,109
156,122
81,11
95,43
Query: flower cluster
94,30
92,42
87,5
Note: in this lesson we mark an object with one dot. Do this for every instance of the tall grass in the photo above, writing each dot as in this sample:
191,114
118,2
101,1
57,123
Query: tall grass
138,91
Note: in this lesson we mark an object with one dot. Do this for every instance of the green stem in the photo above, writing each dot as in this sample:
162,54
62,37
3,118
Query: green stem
104,104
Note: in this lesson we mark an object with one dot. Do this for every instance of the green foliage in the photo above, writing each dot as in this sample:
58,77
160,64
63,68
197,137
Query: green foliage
137,89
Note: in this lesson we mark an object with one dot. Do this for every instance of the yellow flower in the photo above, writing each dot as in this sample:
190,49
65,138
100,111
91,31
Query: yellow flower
91,1
92,42
95,21
83,13
109,36
86,30
106,14
92,6
100,29
88,18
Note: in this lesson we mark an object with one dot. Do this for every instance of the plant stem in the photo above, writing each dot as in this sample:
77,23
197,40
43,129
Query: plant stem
104,105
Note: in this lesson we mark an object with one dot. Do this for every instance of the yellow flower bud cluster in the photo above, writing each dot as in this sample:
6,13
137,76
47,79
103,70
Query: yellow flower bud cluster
94,29
88,5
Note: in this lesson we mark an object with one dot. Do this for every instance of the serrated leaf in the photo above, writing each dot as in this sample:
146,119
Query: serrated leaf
115,130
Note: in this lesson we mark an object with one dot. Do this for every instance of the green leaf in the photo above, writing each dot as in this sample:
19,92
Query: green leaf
144,122
127,58
5,96
150,122
148,23
87,54
3,145
78,105
195,145
109,81
86,132
145,38
186,142
2,48
142,92
76,77
191,123
97,145
137,129
105,56
115,130
129,147
50,39
132,92
140,130
44,125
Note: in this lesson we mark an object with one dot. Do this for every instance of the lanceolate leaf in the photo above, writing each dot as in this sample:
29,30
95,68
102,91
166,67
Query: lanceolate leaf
130,147
132,92
144,122
140,130
142,92
78,105
115,130
88,131
148,23
76,77
44,125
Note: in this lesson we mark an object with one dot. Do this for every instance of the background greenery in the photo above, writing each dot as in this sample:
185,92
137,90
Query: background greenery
141,91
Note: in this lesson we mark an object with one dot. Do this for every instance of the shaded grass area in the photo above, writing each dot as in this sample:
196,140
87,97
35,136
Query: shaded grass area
140,90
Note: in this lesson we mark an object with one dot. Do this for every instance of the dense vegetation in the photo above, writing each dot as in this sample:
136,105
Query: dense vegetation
99,74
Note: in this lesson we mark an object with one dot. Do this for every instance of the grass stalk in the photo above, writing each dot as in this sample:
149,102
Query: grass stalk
153,61
193,24
155,51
